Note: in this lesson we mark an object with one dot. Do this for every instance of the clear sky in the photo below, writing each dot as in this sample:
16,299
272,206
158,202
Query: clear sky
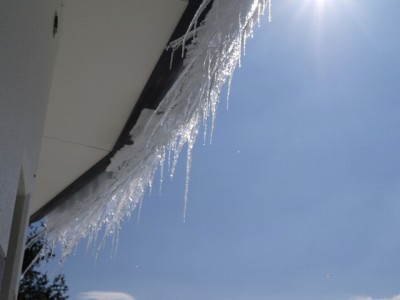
298,195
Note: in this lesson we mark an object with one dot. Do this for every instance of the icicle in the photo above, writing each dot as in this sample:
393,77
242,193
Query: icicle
195,19
187,180
228,92
172,59
115,242
162,163
213,50
270,10
179,41
140,211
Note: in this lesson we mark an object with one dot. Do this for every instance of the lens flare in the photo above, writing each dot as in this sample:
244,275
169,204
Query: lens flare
320,4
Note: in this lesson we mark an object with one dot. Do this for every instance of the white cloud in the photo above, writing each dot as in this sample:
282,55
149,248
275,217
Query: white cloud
98,295
397,297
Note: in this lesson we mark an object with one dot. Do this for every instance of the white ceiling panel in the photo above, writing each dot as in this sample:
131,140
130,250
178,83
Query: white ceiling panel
107,52
60,164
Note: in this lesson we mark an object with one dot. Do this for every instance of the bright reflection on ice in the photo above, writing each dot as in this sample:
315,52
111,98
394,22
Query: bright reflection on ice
160,136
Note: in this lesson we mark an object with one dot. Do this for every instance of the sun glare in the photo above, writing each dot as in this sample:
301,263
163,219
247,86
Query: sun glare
320,4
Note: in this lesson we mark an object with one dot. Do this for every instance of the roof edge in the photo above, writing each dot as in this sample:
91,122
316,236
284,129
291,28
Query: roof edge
161,79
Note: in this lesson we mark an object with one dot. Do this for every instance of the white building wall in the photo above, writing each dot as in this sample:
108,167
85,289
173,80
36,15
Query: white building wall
27,53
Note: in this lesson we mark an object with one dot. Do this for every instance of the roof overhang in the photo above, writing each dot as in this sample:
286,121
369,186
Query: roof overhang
112,64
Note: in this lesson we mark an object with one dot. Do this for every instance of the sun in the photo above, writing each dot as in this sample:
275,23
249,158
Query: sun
320,4
320,7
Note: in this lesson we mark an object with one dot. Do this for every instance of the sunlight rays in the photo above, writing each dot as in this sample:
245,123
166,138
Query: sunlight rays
325,19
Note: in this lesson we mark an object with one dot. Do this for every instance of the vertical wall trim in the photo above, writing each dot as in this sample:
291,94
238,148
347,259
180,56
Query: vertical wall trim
2,256
16,244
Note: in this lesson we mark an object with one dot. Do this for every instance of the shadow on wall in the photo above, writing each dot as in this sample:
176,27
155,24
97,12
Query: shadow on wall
2,262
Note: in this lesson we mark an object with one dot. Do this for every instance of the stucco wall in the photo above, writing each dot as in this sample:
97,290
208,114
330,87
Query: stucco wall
27,53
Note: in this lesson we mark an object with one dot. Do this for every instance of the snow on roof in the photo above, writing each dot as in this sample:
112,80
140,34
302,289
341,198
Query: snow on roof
212,54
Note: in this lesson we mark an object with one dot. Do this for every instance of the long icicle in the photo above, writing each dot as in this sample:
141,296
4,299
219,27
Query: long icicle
212,54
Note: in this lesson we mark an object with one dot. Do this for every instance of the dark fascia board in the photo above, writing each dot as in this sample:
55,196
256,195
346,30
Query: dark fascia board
158,84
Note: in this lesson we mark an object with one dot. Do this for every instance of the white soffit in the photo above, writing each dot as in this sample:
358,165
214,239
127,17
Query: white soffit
107,52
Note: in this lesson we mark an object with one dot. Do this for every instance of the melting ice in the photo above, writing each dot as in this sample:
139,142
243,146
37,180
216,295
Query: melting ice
213,50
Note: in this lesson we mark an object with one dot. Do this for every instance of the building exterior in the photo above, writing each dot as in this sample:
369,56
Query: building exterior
27,55
74,76
80,82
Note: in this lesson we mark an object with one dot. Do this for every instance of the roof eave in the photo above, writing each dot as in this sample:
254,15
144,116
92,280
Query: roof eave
158,84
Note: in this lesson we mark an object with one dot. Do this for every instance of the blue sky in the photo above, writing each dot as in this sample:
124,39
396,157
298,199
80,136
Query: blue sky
298,195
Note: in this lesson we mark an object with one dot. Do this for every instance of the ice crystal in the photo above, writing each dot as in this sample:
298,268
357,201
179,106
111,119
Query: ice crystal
213,50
